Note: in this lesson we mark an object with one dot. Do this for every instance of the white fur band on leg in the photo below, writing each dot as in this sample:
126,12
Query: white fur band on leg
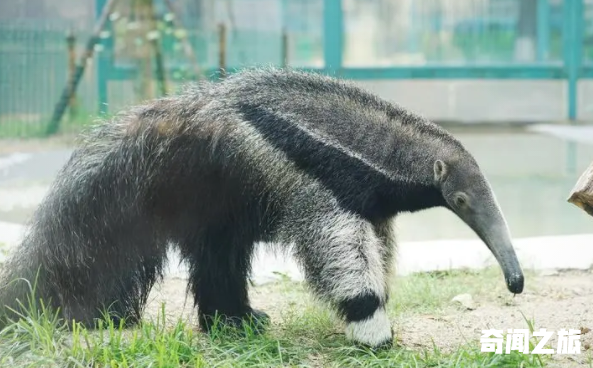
373,331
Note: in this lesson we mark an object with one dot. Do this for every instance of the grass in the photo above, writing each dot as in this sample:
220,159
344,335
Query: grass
431,292
37,126
3,250
306,335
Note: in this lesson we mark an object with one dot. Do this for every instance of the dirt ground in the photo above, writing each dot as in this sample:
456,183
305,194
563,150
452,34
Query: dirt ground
560,302
554,301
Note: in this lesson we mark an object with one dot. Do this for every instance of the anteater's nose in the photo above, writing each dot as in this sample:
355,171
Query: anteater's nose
515,283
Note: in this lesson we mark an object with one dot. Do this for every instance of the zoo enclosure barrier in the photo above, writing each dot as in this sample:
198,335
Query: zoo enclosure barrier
383,44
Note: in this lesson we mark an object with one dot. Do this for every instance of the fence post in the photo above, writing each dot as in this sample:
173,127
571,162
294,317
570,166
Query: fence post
160,64
572,50
102,60
71,43
543,29
284,48
222,50
284,10
333,36
412,39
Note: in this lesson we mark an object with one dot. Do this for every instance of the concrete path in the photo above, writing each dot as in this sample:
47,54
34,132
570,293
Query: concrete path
582,134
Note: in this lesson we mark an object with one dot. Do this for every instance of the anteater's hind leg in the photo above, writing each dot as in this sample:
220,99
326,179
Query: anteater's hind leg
220,262
115,276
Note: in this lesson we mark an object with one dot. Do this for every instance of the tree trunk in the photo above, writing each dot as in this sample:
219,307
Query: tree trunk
147,24
526,31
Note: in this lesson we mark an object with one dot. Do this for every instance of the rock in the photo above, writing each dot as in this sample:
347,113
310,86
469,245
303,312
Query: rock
464,300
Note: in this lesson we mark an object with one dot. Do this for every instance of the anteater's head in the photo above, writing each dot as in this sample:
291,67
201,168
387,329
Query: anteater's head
467,193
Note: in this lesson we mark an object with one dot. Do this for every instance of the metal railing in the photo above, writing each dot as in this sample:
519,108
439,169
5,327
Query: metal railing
365,40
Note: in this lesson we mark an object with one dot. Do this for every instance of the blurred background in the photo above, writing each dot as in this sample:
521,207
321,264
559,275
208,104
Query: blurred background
510,78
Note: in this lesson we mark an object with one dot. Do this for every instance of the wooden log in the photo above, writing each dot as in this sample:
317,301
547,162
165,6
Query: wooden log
582,193
284,50
74,79
160,67
222,50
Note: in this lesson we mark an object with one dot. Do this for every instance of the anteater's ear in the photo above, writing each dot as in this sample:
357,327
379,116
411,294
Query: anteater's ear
440,171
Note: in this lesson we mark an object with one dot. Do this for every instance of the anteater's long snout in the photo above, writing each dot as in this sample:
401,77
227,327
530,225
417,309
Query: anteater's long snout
490,225
507,259
493,230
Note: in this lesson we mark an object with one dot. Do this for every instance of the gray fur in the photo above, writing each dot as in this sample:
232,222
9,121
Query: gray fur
303,160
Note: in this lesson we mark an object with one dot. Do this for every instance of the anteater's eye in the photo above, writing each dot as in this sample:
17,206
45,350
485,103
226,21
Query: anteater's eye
460,200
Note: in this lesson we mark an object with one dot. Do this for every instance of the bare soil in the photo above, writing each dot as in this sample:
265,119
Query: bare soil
557,301
562,301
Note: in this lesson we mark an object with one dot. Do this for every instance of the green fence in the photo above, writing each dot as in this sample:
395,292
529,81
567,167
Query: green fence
33,70
359,39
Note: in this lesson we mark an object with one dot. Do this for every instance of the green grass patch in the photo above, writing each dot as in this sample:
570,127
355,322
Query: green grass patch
431,292
3,249
37,126
22,129
306,335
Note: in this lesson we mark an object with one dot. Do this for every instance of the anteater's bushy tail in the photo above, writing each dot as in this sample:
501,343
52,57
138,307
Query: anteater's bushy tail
90,246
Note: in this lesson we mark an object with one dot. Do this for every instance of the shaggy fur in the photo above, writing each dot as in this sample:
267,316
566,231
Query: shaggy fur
278,156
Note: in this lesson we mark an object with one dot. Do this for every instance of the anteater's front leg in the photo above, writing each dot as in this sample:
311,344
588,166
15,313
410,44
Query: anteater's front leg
343,263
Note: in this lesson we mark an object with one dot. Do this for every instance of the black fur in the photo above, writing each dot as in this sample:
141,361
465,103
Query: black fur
340,173
360,307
